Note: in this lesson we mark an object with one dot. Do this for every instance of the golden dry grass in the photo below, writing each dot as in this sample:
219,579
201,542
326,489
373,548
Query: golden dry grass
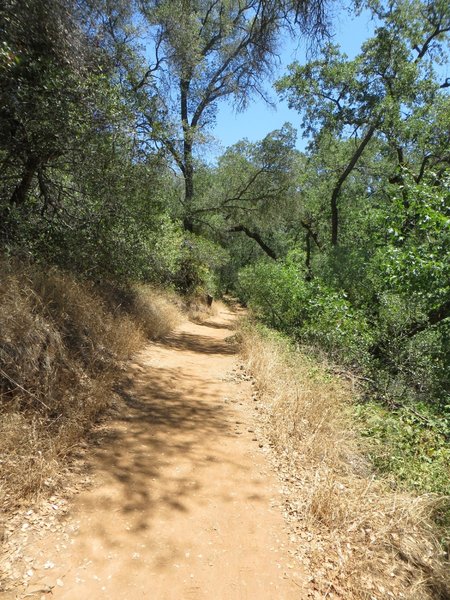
155,311
62,347
198,310
365,541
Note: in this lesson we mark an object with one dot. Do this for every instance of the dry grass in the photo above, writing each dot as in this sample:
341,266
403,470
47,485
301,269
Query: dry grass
155,311
198,310
365,541
61,349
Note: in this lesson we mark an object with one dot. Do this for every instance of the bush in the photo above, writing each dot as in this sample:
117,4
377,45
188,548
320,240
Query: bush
309,311
410,446
200,259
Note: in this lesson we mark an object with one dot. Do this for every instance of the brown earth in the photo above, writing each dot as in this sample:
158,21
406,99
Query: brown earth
183,503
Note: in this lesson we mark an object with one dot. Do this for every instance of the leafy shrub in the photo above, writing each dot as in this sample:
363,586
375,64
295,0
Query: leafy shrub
199,262
409,444
309,311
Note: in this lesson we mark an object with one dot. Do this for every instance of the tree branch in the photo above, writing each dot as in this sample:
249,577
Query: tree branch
255,236
340,182
422,51
313,235
434,316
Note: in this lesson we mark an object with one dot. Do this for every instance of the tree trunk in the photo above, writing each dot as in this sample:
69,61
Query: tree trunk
340,182
255,236
21,190
334,218
309,273
188,191
434,316
188,171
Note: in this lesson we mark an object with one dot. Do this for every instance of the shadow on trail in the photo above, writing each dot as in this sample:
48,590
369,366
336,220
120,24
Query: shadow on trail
151,454
214,325
200,344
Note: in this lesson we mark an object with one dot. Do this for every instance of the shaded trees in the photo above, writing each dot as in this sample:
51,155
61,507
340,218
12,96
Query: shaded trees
75,186
371,281
47,86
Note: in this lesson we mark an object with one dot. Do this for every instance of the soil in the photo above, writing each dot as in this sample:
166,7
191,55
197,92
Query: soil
183,502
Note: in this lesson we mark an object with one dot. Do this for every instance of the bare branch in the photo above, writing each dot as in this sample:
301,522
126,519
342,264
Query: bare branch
255,236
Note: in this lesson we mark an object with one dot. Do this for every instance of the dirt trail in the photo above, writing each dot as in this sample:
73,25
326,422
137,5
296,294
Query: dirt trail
184,504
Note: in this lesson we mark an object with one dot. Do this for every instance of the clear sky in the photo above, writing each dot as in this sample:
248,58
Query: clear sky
259,119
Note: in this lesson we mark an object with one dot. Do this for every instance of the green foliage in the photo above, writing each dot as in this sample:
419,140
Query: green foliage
411,444
51,82
199,262
307,310
78,189
414,263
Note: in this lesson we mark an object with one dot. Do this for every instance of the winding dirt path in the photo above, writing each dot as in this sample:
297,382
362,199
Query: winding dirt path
184,505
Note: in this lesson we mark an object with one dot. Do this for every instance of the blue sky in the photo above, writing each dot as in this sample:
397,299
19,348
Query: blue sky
259,119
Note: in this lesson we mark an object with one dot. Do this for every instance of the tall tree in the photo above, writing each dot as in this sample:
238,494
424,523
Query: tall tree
388,90
252,186
49,75
203,51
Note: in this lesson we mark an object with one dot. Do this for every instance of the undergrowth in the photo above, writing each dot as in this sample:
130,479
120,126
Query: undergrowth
199,311
63,344
410,446
368,541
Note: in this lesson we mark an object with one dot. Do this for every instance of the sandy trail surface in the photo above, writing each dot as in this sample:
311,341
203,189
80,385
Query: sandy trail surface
183,502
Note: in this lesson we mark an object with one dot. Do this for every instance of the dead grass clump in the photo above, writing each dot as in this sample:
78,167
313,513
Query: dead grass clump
155,311
365,541
60,351
62,345
199,311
